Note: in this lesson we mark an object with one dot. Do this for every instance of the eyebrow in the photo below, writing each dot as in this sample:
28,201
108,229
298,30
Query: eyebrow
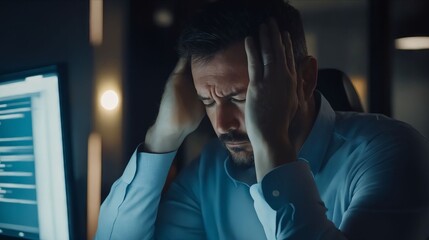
226,96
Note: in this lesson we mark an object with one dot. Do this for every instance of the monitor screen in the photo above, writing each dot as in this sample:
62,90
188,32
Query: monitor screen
33,184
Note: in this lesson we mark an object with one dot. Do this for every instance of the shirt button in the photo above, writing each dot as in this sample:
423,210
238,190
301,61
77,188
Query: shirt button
276,193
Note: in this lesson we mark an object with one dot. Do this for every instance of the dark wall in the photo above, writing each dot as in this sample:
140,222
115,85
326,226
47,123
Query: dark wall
37,33
410,72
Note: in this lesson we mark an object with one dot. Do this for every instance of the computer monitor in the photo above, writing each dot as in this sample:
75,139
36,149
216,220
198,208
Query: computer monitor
34,172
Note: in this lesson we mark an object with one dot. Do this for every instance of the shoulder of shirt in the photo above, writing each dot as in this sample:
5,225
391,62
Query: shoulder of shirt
381,141
363,127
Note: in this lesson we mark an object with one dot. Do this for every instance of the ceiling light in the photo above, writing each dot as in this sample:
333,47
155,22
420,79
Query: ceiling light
412,43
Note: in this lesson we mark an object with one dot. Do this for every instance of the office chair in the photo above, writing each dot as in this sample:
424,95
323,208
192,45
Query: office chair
338,89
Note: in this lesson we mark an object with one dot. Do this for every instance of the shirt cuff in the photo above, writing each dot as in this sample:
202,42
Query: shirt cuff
292,183
141,162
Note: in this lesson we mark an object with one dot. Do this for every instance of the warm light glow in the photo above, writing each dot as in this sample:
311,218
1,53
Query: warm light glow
163,17
412,43
109,100
361,86
96,22
93,183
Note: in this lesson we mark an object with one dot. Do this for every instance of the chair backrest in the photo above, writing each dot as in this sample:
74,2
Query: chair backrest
338,89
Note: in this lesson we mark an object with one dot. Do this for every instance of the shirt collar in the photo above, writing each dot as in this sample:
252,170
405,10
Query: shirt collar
244,176
315,146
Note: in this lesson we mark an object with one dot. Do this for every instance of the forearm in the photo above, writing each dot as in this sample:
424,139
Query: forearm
160,140
129,211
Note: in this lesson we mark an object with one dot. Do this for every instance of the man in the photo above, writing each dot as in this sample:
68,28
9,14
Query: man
286,166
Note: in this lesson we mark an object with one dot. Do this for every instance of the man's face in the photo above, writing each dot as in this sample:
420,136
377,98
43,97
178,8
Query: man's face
221,84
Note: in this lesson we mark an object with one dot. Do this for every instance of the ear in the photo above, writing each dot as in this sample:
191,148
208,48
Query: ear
308,74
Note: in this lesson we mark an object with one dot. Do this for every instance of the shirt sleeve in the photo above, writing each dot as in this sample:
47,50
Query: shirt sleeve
180,214
130,209
288,210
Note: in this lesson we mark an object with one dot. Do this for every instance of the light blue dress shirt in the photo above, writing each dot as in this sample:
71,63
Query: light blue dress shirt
358,176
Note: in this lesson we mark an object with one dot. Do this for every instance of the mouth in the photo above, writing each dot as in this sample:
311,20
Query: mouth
236,144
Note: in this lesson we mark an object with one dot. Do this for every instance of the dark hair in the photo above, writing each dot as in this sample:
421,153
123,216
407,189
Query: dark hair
226,22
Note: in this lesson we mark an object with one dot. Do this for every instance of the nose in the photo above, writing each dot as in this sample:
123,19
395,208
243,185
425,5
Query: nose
227,118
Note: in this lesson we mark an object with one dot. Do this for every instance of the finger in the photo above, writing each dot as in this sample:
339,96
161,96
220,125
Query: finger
290,63
268,57
277,43
287,42
254,64
182,71
299,88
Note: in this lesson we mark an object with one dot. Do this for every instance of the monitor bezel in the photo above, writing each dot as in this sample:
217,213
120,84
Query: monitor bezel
61,70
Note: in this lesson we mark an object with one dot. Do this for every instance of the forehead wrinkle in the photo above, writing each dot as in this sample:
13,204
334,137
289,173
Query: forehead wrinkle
224,74
223,85
224,88
226,92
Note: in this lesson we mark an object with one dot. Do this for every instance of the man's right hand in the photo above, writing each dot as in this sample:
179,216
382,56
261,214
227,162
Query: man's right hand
180,112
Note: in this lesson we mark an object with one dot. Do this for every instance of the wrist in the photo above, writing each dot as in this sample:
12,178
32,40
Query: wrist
272,154
160,140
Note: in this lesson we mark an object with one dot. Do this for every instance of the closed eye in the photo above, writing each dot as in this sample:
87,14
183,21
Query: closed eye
238,100
208,103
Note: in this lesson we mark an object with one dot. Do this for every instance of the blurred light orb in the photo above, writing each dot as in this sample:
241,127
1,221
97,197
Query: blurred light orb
163,17
109,100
